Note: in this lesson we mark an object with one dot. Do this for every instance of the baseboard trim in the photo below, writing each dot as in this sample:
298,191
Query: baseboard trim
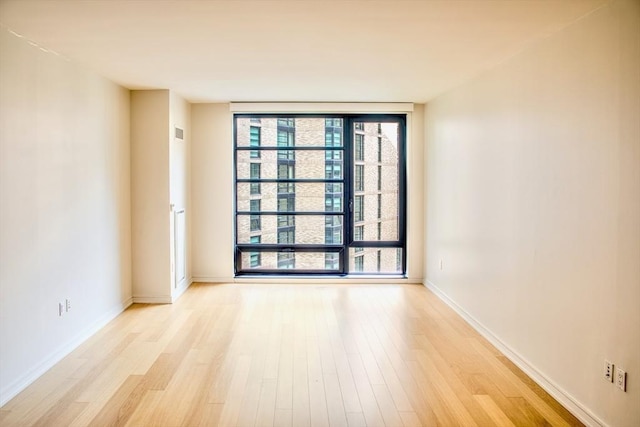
310,280
573,405
152,299
209,279
13,389
181,289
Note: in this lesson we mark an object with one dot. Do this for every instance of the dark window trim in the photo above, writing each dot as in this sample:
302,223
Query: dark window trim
348,121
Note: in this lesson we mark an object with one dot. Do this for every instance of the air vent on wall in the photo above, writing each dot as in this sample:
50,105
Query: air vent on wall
179,133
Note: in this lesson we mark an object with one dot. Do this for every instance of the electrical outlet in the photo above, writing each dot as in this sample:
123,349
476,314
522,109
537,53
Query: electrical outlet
67,303
608,371
60,309
621,379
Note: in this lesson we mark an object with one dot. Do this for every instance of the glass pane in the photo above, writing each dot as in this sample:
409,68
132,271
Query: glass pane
291,197
290,164
375,260
290,229
376,180
286,261
299,132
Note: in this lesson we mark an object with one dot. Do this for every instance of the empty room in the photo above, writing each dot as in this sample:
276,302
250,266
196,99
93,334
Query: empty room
319,213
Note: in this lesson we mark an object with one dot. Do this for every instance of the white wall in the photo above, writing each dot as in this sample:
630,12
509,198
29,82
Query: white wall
160,178
180,176
64,208
415,195
150,206
534,207
212,193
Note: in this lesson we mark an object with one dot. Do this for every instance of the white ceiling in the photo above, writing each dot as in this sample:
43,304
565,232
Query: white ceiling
291,50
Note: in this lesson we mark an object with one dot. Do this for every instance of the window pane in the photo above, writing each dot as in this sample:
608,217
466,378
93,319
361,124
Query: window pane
302,164
310,261
307,229
299,132
376,180
298,197
367,260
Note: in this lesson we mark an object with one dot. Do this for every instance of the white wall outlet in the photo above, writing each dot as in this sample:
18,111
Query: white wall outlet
621,379
60,309
608,371
67,305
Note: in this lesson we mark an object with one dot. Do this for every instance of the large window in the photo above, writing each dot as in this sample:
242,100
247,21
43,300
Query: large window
320,194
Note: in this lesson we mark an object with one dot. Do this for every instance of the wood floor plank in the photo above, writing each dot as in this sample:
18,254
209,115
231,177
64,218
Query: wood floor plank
265,416
122,404
287,355
500,419
370,409
283,418
410,419
233,402
335,401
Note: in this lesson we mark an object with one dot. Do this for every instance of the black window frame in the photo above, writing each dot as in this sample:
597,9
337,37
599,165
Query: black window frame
344,158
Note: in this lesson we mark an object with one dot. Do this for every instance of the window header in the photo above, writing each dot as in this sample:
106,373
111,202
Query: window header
321,107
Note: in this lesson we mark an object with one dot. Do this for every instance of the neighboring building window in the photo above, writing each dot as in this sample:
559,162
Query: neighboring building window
379,178
254,141
331,261
359,263
379,259
286,221
287,236
379,231
254,173
333,132
254,206
359,147
359,184
359,126
332,203
286,260
286,203
380,149
379,206
333,170
358,236
286,170
358,208
256,257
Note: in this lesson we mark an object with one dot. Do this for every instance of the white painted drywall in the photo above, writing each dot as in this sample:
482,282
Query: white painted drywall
180,175
415,195
534,206
160,178
150,206
64,208
212,192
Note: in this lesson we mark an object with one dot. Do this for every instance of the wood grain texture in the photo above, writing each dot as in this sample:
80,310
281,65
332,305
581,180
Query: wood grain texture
287,355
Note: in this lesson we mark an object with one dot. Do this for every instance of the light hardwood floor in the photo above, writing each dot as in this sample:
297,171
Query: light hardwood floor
287,355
